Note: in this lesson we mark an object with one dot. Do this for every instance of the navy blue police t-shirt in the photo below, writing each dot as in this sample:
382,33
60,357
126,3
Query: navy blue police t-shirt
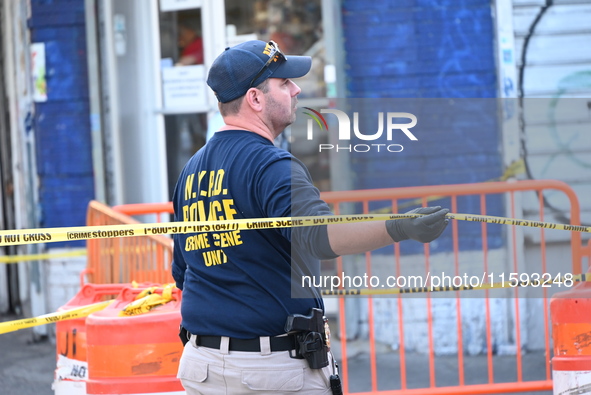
239,283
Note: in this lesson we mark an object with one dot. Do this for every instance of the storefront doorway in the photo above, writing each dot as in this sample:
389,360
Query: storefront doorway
157,108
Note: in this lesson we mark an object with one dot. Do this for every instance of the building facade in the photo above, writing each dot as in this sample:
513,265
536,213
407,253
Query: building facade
99,107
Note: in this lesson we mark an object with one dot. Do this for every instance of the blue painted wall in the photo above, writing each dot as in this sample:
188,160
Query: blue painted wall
422,49
62,125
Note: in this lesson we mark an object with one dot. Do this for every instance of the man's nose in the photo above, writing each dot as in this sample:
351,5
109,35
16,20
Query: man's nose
295,89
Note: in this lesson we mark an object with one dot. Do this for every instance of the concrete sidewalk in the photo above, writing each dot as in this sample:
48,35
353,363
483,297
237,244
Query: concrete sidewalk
27,366
26,363
446,368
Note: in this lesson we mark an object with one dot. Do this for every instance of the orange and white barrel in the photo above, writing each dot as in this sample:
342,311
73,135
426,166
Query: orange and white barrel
136,354
570,312
71,365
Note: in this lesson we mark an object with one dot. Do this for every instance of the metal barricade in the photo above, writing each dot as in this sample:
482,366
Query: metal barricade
125,259
464,383
111,260
586,253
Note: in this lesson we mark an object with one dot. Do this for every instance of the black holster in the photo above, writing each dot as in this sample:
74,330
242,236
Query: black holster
184,335
311,342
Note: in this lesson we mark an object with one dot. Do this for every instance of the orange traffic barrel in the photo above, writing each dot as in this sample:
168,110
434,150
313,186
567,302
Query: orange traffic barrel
70,343
134,354
570,312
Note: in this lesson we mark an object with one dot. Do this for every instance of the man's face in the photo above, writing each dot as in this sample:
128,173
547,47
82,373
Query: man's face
281,103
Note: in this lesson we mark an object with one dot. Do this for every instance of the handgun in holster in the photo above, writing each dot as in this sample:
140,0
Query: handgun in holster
184,335
310,337
313,343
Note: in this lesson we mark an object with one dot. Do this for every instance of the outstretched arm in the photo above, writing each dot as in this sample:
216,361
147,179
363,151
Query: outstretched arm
356,238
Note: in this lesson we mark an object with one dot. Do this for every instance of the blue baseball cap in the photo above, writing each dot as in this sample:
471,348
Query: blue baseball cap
248,64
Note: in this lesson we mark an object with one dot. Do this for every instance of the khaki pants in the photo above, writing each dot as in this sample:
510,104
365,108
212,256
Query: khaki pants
208,371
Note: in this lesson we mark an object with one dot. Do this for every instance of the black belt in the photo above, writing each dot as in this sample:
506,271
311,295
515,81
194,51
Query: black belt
281,343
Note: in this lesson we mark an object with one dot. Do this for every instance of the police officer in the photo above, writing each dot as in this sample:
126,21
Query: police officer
237,285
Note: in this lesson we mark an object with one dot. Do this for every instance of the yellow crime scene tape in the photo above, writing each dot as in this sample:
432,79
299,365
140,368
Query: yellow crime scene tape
147,300
44,235
39,257
585,277
78,312
28,236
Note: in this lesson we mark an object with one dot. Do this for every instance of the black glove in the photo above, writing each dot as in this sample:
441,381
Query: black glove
425,228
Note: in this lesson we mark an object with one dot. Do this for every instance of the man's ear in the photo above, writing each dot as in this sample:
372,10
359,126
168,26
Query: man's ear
254,99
